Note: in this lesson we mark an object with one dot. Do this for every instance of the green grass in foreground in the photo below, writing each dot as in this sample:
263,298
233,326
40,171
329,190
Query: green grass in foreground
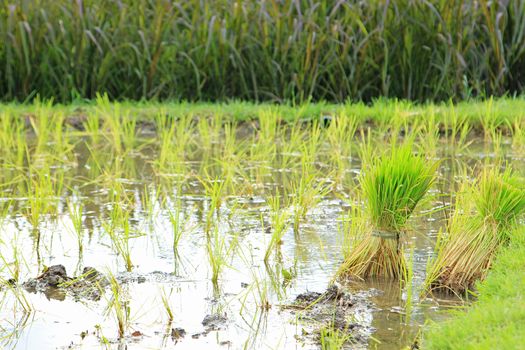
497,319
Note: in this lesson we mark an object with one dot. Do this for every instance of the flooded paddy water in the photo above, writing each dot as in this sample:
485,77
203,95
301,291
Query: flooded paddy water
178,218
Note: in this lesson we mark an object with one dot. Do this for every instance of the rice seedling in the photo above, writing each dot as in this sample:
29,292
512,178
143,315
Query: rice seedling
209,131
12,139
279,221
392,184
307,191
166,304
485,214
264,144
20,296
92,127
214,190
75,209
118,305
291,149
457,128
166,132
177,224
518,134
429,135
489,118
339,134
120,232
220,249
333,338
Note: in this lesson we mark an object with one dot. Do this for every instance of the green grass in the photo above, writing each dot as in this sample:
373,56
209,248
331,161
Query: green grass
496,320
278,50
455,120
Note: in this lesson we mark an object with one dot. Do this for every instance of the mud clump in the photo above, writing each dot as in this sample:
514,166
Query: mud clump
337,309
56,284
214,322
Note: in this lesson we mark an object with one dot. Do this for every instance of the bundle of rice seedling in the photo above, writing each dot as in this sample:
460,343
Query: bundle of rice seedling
485,215
392,185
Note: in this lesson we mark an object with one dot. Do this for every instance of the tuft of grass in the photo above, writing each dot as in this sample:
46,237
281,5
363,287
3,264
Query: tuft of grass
332,338
485,214
392,185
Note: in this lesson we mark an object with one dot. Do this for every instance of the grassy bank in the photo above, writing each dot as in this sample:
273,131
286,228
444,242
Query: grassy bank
506,114
261,50
497,319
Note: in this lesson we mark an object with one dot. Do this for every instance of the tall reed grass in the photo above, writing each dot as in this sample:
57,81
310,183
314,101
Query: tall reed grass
261,50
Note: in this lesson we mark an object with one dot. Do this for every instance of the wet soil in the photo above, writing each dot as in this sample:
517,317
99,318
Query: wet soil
56,284
337,309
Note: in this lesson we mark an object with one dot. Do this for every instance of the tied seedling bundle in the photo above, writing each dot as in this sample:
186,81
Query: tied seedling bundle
392,185
486,214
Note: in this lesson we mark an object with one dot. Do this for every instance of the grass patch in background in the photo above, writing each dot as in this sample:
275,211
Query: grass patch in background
453,120
496,320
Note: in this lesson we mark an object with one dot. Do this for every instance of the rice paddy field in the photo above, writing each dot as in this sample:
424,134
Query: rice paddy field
255,226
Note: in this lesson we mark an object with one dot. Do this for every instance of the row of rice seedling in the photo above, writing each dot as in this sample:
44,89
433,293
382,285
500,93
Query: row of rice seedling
286,50
299,157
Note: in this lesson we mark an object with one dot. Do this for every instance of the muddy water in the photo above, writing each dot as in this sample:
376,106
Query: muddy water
238,305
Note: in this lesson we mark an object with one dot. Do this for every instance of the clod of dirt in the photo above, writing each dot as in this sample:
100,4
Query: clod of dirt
177,333
76,121
214,322
335,308
55,283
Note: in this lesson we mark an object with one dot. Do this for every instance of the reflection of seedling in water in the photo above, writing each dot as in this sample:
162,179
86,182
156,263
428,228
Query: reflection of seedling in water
393,184
407,281
465,254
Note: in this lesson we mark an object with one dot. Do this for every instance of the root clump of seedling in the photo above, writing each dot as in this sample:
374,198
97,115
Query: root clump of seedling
392,185
486,213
